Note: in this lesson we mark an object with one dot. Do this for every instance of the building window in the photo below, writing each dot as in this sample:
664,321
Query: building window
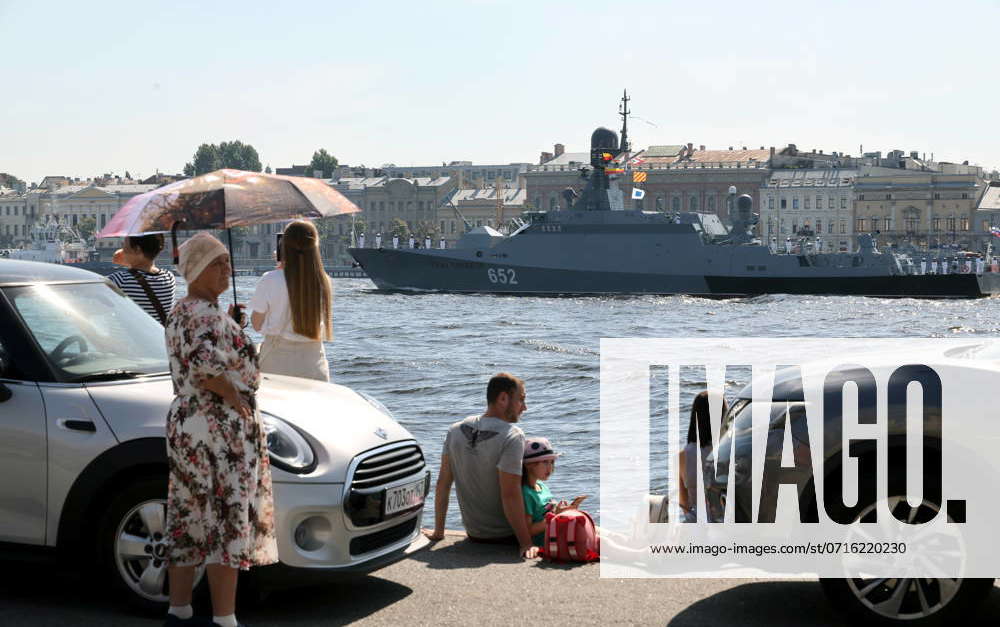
420,205
829,227
552,203
693,203
711,203
819,202
936,223
805,203
887,224
675,203
861,196
951,224
911,225
964,195
795,227
937,196
659,203
843,226
442,227
770,202
843,202
965,223
859,225
783,203
819,225
986,226
795,202
888,196
830,202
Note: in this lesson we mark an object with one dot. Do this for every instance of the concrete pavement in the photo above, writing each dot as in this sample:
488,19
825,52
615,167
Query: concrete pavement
457,583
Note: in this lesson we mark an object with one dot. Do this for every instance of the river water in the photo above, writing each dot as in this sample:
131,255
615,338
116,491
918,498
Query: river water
428,357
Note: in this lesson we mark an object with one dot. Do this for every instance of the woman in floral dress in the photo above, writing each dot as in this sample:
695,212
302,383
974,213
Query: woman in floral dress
219,505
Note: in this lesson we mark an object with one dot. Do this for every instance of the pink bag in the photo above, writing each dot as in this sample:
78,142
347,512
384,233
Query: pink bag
571,536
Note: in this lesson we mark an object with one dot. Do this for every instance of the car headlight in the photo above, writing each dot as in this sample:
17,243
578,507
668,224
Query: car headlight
288,449
375,403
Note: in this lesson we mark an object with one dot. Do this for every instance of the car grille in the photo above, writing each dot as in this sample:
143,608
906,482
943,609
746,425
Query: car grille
373,473
383,468
374,541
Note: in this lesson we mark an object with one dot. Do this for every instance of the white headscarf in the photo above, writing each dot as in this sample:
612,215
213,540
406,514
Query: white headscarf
196,253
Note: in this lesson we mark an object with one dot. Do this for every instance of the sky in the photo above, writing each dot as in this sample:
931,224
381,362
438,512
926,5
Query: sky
99,87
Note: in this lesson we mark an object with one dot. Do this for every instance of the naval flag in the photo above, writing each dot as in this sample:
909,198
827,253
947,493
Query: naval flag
638,194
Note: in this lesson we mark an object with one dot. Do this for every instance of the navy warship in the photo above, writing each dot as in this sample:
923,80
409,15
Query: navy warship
596,246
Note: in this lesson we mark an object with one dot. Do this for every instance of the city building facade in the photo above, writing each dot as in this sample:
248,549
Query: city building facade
15,221
924,209
816,204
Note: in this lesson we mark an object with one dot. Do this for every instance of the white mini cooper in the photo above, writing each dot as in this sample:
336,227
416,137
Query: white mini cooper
84,393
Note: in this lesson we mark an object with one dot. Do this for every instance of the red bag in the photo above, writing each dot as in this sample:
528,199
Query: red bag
571,536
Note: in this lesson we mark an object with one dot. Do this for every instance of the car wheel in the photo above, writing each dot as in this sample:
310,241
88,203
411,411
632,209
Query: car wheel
918,602
133,545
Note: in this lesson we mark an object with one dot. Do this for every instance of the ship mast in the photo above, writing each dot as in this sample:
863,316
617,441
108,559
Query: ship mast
623,111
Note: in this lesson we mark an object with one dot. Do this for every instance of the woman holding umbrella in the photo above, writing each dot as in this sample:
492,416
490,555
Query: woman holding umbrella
219,503
291,307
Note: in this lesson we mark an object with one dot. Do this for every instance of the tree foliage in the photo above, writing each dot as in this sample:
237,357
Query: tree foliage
324,162
86,227
234,154
400,229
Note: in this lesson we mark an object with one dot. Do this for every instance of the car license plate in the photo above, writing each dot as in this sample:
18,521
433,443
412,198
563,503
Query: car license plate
403,497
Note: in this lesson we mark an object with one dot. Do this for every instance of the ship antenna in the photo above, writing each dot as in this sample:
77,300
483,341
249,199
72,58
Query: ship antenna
624,112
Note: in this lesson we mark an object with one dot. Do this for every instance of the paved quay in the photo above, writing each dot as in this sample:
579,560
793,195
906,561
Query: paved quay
457,583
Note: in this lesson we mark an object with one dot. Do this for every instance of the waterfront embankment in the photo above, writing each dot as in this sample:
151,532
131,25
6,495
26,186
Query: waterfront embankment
454,582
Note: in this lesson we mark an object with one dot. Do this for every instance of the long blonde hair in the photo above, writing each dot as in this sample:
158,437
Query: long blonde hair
310,294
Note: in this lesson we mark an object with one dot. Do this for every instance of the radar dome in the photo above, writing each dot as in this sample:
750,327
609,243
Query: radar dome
604,138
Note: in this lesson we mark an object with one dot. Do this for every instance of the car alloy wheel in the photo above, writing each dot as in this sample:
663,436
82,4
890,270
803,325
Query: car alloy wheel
141,550
902,600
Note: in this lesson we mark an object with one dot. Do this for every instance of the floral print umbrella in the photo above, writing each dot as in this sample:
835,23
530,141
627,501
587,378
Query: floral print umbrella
224,199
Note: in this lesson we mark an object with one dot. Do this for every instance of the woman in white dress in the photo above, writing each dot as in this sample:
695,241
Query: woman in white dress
292,306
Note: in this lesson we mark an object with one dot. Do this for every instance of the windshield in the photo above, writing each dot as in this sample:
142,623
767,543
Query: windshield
89,331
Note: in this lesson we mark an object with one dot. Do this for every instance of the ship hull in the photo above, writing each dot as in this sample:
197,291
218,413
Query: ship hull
408,270
894,286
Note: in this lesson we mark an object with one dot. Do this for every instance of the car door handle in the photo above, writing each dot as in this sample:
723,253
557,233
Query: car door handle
72,424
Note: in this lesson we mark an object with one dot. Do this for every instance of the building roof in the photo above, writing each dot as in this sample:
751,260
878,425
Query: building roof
991,199
488,196
720,156
825,177
567,158
360,183
669,150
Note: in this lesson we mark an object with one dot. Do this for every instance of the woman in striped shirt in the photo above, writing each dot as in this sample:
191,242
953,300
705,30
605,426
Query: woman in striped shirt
150,287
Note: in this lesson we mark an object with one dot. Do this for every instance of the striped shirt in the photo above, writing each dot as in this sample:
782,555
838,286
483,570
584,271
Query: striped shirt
162,283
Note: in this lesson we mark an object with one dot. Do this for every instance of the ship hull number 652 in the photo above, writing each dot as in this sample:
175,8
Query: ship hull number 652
507,276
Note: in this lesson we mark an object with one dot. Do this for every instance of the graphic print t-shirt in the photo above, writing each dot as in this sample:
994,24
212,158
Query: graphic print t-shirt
477,448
